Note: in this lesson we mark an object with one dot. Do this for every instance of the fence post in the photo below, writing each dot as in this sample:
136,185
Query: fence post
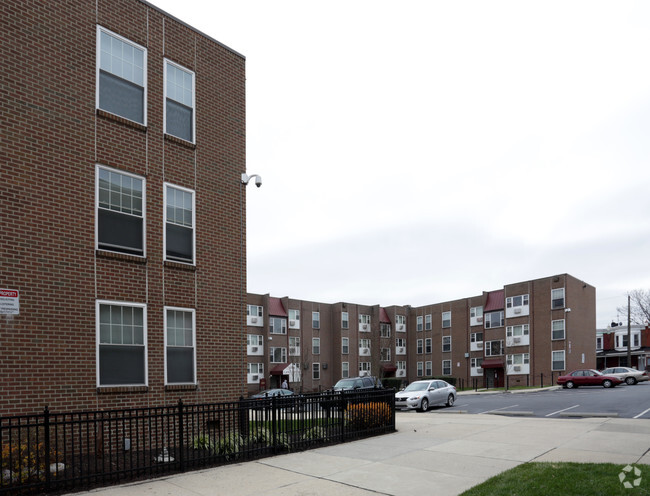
274,423
243,417
46,433
181,447
541,379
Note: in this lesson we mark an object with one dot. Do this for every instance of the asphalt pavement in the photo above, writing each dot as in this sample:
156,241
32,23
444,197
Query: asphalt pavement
441,453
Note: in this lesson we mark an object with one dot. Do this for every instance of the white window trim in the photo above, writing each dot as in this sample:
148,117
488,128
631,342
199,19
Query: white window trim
443,344
315,370
563,360
193,312
443,367
144,209
144,71
442,320
563,330
186,190
185,69
344,346
315,343
144,340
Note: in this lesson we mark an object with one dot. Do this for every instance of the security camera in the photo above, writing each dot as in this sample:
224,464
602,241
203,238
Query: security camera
258,181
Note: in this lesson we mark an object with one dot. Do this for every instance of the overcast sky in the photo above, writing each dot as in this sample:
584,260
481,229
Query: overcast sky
422,151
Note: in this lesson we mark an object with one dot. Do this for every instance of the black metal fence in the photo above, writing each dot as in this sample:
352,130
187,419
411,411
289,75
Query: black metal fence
50,452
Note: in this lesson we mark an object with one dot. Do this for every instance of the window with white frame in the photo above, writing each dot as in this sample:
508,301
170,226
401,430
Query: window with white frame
446,367
446,343
384,330
420,346
255,371
345,320
518,359
517,331
179,224
294,319
254,340
400,343
315,320
294,345
179,101
400,323
494,348
557,360
620,339
180,349
476,337
345,369
493,319
419,321
475,316
557,329
446,319
427,322
557,298
401,366
517,301
385,355
420,369
364,323
277,325
428,345
315,346
428,368
365,368
599,342
277,355
255,314
476,362
121,76
121,344
120,211
364,346
315,371
345,346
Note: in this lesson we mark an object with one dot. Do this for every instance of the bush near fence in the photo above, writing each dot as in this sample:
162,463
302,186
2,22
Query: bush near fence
69,451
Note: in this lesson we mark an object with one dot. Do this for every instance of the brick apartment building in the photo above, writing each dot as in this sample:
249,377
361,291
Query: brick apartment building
123,145
527,332
612,347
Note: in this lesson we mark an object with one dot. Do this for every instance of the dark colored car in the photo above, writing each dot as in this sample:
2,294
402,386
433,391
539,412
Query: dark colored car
587,377
357,383
267,393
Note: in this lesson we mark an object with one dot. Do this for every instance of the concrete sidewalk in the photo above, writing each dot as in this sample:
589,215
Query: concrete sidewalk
441,453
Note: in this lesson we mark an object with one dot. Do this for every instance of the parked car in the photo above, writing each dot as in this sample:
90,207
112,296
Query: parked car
422,394
627,375
588,377
268,394
354,383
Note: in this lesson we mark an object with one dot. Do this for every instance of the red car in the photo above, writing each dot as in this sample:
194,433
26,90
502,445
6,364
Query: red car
587,377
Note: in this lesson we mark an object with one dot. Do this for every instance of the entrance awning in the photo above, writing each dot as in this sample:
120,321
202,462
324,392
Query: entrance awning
279,369
291,370
388,368
492,363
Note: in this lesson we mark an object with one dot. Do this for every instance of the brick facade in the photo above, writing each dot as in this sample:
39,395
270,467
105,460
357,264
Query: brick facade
54,140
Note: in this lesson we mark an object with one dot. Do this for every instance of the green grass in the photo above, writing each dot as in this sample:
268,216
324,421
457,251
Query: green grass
565,479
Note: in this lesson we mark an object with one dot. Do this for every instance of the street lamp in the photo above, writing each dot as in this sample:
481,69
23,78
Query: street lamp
245,179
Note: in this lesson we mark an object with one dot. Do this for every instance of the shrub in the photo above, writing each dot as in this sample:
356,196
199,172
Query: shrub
368,415
315,434
265,436
25,462
228,445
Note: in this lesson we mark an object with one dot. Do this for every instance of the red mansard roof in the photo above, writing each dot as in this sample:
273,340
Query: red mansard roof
276,308
495,301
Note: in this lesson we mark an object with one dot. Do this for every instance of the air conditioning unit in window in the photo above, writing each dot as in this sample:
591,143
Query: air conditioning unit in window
253,320
364,351
400,373
479,345
364,327
517,368
517,310
479,370
516,340
254,349
294,351
400,350
292,323
363,373
255,377
479,319
400,327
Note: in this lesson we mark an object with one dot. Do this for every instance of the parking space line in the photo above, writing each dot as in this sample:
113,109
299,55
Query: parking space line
488,411
560,411
642,413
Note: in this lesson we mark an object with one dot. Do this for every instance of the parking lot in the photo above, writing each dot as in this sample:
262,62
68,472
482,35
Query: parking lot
622,401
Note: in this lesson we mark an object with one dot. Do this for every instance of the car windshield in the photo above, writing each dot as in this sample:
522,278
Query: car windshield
417,386
345,383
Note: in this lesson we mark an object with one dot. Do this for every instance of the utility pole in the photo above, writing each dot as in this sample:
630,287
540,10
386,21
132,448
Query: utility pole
629,334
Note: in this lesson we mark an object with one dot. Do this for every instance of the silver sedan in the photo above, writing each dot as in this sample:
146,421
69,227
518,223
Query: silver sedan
628,375
422,394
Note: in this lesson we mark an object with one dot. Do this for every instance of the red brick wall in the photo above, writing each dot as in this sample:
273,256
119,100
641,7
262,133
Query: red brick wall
52,140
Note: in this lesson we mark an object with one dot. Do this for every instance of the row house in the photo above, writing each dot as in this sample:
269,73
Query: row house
612,346
526,333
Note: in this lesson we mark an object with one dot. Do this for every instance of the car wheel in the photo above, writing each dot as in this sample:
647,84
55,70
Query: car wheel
450,400
569,385
607,383
630,381
424,406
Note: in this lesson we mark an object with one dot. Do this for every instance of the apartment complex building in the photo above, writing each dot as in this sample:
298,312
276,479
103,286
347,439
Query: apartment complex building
526,332
612,347
123,146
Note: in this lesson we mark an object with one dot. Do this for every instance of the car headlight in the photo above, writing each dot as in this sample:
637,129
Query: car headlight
412,398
